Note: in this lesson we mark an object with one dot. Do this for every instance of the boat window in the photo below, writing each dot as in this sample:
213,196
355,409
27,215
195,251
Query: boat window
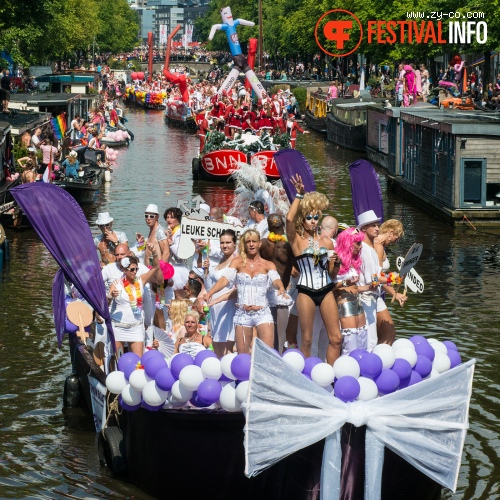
473,187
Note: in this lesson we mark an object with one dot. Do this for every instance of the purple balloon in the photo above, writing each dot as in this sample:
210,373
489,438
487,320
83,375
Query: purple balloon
70,327
423,366
154,364
358,354
310,363
418,339
196,401
404,382
127,407
455,358
150,407
347,388
402,368
203,355
295,350
450,345
129,358
387,382
223,378
209,391
415,378
128,371
425,349
179,362
164,379
307,376
152,353
370,365
240,366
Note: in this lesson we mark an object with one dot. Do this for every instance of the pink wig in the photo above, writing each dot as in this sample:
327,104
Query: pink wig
344,249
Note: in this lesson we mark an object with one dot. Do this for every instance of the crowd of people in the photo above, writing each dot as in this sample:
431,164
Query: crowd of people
291,281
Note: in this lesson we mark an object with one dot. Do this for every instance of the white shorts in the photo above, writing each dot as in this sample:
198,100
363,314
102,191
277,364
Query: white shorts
253,318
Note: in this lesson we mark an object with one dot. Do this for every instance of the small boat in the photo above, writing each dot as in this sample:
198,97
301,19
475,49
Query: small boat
84,188
177,113
148,100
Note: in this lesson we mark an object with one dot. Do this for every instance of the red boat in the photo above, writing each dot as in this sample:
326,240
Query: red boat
217,166
179,114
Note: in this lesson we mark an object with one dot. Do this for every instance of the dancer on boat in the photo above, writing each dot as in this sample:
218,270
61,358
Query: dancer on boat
193,340
252,275
318,266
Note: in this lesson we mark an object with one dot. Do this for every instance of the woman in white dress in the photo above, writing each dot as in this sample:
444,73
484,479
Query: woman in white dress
252,275
193,341
223,305
125,296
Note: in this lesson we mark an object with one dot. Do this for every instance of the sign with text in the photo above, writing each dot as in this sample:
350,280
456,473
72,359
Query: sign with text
194,229
98,397
411,258
413,281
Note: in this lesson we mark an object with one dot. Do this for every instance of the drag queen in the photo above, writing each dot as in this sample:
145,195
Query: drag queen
318,267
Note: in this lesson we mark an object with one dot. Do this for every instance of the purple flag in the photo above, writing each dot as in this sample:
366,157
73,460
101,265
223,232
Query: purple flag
63,228
366,192
289,163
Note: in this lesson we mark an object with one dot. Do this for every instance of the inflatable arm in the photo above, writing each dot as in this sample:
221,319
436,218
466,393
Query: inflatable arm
215,27
243,22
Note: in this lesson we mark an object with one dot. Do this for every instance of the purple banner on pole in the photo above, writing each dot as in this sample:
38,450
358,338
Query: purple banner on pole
366,192
63,228
290,162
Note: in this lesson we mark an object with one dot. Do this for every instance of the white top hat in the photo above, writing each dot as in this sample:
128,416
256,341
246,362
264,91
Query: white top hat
152,209
103,218
73,154
205,207
366,218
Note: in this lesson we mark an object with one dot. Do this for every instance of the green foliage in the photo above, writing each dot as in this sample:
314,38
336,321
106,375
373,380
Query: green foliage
300,94
274,89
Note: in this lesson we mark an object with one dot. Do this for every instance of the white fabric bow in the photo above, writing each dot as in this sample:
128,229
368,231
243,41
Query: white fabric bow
125,262
425,423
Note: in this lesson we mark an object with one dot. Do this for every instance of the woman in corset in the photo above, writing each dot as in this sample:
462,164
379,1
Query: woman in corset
318,265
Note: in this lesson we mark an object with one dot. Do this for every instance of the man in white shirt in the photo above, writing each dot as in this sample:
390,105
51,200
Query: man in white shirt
257,220
329,228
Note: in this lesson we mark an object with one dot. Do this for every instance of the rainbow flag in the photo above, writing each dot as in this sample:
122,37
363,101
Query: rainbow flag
58,125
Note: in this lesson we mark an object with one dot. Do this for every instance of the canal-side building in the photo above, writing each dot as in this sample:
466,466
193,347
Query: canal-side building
445,160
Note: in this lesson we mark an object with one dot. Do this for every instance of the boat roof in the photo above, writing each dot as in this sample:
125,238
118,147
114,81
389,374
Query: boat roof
57,98
455,121
71,78
356,104
20,121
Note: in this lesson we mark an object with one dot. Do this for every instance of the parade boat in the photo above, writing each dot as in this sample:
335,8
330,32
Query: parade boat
220,156
155,447
145,99
84,188
179,114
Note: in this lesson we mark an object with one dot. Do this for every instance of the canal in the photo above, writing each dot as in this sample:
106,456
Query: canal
47,454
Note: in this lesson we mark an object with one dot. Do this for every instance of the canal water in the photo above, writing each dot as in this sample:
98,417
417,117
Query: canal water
47,454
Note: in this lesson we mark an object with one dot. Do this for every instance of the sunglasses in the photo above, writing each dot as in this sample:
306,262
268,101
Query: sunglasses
149,216
194,280
132,269
105,225
311,217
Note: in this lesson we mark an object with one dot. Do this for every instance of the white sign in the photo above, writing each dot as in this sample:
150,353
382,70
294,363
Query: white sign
194,229
163,34
411,258
413,281
98,397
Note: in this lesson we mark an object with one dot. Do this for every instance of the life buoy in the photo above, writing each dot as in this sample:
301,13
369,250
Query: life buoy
71,397
195,164
111,447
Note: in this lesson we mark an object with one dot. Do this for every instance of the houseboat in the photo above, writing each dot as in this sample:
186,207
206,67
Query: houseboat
445,160
316,110
346,124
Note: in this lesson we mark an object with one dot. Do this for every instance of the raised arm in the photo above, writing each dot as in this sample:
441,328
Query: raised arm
244,22
294,207
215,27
147,277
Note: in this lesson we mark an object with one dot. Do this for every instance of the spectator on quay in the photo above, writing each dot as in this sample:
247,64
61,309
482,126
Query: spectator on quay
5,90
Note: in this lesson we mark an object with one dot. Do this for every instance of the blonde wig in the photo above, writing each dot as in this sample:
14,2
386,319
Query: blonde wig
392,225
312,203
177,312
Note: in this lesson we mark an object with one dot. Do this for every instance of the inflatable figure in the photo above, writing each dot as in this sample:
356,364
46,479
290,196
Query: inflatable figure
240,62
458,68
176,78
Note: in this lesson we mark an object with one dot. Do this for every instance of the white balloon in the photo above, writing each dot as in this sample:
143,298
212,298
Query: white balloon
153,395
180,392
115,382
346,366
441,362
228,399
173,401
323,374
223,383
368,389
386,353
211,368
242,391
432,340
403,343
138,379
329,388
295,360
438,346
225,363
191,377
131,396
409,354
434,373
